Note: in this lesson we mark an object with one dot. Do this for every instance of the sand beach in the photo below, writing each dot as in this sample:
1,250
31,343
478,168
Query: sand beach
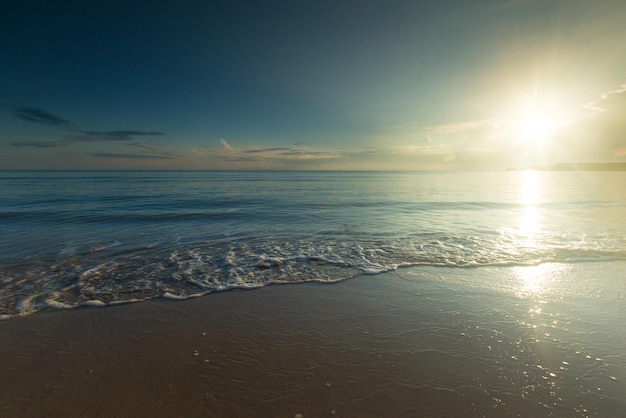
417,342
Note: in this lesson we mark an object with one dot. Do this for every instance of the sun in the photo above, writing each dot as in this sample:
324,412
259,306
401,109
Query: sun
533,120
535,125
531,123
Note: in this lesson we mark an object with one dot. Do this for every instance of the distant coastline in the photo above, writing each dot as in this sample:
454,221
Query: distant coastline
578,167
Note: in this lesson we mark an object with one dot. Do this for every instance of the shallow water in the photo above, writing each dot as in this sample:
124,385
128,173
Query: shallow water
542,340
100,238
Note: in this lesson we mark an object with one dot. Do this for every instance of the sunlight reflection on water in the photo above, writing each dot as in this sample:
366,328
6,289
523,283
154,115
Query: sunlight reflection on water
530,188
541,280
537,280
529,222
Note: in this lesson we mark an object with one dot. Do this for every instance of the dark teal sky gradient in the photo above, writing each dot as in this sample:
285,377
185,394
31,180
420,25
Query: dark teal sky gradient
307,85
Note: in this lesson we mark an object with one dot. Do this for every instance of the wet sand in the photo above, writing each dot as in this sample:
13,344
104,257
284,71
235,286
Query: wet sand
387,345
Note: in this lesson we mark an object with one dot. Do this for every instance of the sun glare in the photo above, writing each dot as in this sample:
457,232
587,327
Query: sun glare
535,126
535,120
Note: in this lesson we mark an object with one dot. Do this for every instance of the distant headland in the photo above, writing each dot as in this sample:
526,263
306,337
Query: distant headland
578,167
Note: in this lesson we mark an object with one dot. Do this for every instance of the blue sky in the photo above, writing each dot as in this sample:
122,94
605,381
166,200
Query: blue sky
311,85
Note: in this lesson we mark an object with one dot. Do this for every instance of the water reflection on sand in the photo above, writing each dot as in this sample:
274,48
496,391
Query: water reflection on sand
541,280
548,336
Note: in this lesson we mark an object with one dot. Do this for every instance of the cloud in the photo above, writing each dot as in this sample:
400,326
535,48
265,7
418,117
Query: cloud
298,154
147,151
274,157
600,135
459,126
37,115
226,145
132,156
32,114
263,150
245,159
113,135
403,149
39,144
430,147
600,105
620,152
284,153
150,150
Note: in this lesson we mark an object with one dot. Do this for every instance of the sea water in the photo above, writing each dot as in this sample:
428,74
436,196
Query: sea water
73,238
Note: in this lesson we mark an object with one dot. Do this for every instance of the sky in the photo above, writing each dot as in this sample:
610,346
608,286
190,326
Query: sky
333,85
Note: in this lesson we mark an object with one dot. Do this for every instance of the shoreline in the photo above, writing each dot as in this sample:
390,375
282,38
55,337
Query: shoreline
407,344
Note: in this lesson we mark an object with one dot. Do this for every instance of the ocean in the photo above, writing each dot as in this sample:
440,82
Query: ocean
449,293
76,238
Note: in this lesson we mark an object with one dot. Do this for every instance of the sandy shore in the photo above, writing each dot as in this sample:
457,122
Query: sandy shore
373,346
313,350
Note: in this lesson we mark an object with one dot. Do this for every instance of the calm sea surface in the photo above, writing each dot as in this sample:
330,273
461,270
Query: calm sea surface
100,238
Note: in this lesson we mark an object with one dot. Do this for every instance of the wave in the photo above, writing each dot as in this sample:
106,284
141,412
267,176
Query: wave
112,272
100,238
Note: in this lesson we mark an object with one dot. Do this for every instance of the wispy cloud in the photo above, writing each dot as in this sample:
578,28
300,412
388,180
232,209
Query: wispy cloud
459,126
146,151
132,156
116,135
151,150
602,133
226,145
33,114
402,149
39,144
423,147
274,155
265,150
599,105
75,135
289,153
308,155
620,152
70,139
243,158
